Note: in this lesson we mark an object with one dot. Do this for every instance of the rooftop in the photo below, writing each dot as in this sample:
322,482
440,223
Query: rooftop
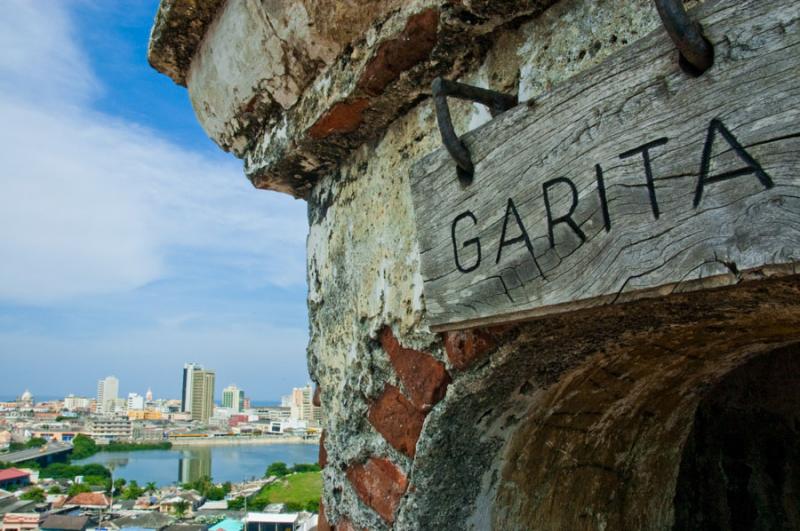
89,499
13,473
148,520
228,524
272,518
65,522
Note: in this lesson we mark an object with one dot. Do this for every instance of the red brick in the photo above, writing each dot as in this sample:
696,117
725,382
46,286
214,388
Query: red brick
322,521
397,419
343,117
380,484
323,452
425,379
464,347
316,400
395,56
344,524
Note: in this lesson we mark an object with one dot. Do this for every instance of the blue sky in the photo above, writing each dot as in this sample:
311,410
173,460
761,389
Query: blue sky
130,243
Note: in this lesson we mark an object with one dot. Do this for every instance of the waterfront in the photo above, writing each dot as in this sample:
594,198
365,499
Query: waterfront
223,463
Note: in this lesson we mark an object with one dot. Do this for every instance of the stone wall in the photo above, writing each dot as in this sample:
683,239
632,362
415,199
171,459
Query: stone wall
577,421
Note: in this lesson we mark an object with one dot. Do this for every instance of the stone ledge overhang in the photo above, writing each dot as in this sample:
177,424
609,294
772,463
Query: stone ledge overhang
274,83
178,28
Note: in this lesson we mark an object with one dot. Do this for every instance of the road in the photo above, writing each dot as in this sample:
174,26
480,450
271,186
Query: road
35,453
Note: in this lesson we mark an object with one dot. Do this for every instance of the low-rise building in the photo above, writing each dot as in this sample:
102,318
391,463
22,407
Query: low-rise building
14,478
148,520
21,522
145,414
89,500
108,429
64,522
276,413
274,522
55,435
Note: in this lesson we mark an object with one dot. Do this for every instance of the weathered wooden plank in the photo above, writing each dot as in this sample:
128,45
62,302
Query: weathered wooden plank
561,214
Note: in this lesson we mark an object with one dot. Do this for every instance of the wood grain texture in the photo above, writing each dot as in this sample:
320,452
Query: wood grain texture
736,128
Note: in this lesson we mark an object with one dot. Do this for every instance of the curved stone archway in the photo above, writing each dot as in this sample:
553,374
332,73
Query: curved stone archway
580,421
741,462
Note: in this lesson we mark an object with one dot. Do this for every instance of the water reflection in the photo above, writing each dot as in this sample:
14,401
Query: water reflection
193,464
223,463
116,462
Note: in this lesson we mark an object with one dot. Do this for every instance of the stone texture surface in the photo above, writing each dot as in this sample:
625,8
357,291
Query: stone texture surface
345,524
322,460
379,484
397,420
396,55
178,28
322,520
424,378
364,275
465,347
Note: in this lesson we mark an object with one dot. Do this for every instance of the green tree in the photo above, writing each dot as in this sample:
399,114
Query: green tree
83,446
34,494
35,442
150,487
277,469
306,467
119,484
77,488
215,493
55,489
181,506
312,506
236,504
133,491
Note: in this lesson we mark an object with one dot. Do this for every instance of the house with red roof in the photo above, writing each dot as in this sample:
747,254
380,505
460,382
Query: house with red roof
89,500
14,477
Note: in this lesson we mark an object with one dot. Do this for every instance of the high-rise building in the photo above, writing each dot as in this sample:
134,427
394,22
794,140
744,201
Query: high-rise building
201,391
186,391
107,391
76,403
233,398
302,405
148,396
135,401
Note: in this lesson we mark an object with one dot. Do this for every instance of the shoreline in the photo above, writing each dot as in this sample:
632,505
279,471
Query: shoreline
221,441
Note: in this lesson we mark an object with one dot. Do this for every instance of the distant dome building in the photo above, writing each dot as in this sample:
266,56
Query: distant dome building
26,398
149,395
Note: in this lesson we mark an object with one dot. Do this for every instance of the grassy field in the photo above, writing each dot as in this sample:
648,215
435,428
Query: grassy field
300,488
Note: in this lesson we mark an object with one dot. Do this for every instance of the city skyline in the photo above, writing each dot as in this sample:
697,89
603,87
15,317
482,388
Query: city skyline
90,391
130,242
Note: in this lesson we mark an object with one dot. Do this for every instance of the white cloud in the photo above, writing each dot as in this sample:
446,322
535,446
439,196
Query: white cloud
90,204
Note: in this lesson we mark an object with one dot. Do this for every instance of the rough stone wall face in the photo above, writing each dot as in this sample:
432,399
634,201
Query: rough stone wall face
365,291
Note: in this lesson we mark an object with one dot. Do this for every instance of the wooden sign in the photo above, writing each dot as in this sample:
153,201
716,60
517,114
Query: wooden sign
633,179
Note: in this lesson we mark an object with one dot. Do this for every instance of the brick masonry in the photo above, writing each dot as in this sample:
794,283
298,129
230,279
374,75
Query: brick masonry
424,378
397,419
380,484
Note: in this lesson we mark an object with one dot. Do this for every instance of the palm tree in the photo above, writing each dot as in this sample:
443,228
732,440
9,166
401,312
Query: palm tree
150,487
180,508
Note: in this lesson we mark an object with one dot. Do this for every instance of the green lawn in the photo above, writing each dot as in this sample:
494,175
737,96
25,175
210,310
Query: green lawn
300,488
